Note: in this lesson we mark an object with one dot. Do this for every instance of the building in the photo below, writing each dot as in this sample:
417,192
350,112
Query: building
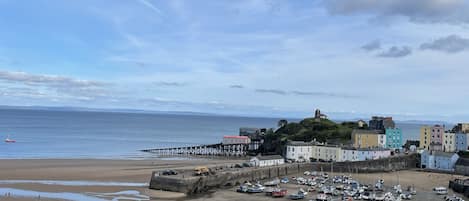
393,138
437,133
229,139
461,141
253,133
462,166
361,124
411,145
319,115
349,154
299,151
326,153
425,133
264,161
381,123
368,138
373,153
449,142
439,160
461,128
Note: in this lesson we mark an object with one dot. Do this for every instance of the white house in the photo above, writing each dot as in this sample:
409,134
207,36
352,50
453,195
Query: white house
449,142
263,161
349,154
228,139
439,160
326,153
299,151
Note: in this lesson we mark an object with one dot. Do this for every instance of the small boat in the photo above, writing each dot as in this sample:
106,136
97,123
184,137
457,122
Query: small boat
284,180
279,193
412,190
268,191
323,197
8,140
407,196
440,190
274,182
242,189
296,196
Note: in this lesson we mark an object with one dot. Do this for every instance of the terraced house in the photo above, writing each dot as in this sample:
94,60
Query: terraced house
449,141
368,138
393,138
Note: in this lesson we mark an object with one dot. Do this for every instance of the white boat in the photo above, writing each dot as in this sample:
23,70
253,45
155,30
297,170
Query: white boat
8,140
323,197
440,190
274,182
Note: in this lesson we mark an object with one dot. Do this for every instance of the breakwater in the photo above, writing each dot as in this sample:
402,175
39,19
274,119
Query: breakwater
236,176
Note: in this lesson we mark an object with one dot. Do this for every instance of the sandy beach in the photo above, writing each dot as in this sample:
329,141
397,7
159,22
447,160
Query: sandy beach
128,171
139,171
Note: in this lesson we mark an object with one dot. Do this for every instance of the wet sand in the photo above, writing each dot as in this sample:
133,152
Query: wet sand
138,171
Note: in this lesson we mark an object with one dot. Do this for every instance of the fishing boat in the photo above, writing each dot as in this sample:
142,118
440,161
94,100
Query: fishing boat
8,140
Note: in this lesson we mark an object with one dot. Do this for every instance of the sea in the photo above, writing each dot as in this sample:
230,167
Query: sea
45,134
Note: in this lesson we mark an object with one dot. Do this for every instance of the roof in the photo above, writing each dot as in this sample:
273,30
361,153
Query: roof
299,143
236,137
463,161
374,149
269,157
363,131
443,154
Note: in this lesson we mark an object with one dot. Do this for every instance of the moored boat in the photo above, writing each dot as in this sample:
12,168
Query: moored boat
8,140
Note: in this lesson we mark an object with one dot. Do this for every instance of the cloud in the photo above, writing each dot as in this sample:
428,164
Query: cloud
323,94
272,91
373,45
302,93
422,11
396,52
52,85
170,84
151,6
448,44
236,86
47,80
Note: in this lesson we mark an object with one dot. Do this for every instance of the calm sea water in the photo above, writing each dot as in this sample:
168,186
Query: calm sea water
61,134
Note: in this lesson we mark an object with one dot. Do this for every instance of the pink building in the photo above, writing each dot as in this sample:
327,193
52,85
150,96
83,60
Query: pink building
437,133
233,139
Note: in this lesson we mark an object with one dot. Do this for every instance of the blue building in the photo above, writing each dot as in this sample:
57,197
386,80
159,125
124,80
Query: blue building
439,160
393,138
461,142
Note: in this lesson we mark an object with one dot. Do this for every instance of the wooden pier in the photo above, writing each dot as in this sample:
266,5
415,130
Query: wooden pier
209,150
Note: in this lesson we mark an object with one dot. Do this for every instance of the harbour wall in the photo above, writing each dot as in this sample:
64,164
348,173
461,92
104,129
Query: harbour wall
232,177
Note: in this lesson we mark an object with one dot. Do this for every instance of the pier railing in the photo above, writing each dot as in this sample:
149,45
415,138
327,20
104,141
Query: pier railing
208,149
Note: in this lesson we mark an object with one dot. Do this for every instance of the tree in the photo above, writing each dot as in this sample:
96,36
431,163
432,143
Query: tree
282,123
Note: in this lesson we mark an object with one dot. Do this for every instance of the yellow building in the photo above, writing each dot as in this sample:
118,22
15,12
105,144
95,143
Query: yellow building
368,138
425,137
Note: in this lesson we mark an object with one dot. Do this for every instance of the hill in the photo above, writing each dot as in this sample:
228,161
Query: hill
309,129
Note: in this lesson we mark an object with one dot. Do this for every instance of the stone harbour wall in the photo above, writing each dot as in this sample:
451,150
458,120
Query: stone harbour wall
198,184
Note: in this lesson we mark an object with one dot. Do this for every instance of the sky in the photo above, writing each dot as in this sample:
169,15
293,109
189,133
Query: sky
350,58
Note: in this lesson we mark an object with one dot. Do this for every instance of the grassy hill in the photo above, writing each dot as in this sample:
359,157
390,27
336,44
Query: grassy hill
309,129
